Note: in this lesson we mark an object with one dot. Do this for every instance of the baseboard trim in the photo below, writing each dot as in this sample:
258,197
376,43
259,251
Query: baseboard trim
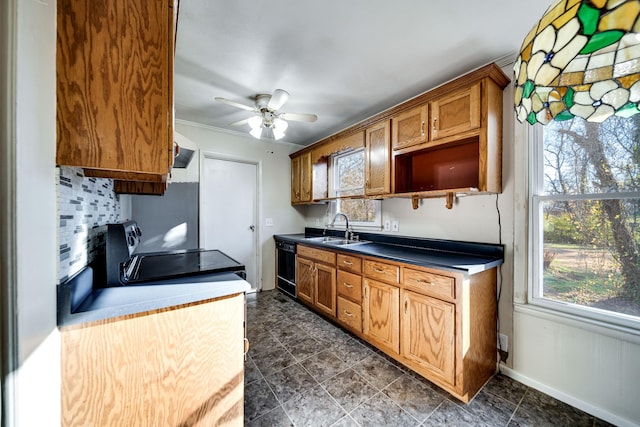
568,399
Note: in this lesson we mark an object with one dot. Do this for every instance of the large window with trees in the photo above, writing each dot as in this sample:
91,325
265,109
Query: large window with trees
347,180
586,219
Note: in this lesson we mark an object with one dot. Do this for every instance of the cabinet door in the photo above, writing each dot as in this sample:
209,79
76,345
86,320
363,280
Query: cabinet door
377,160
325,289
305,177
381,305
301,178
409,128
456,112
114,85
428,334
305,280
295,179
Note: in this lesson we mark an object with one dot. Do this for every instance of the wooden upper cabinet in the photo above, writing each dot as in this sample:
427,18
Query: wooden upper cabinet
377,166
410,128
114,69
301,178
456,112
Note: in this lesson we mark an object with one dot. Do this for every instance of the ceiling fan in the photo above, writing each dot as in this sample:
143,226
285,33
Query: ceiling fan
269,122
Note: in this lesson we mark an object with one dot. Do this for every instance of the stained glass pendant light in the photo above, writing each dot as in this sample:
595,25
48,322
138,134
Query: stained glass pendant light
582,59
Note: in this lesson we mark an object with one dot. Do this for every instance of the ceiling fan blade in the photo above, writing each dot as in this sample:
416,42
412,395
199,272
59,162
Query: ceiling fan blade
299,117
278,99
235,104
239,122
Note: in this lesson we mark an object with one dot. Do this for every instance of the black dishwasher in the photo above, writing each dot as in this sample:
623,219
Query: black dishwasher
286,265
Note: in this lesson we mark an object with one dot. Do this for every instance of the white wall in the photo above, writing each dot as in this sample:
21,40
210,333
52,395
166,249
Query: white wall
38,377
275,182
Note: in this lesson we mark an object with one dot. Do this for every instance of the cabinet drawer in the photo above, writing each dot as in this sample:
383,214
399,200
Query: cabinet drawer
429,283
350,286
317,254
350,263
381,271
350,314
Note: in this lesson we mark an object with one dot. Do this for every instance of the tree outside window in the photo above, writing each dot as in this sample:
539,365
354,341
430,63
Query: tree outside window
587,197
348,180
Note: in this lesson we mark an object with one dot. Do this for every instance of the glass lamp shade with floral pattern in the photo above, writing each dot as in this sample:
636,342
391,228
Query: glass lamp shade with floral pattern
582,59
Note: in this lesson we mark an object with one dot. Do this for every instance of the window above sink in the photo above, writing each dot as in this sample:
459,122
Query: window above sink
346,183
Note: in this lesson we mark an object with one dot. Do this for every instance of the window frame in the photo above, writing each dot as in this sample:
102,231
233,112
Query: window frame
535,295
334,204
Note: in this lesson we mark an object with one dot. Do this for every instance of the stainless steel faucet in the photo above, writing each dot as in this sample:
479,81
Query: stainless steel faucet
347,232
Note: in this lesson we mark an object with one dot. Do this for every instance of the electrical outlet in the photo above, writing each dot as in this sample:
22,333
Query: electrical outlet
268,222
387,225
503,343
395,226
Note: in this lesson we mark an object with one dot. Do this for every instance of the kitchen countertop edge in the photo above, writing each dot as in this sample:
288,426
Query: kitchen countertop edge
113,302
410,253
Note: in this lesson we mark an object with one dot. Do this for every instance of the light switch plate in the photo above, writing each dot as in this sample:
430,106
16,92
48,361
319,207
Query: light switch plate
395,226
387,225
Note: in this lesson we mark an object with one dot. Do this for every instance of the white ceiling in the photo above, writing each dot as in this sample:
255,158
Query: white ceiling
343,60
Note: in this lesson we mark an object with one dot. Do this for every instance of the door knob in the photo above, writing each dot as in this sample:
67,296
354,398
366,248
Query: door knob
252,227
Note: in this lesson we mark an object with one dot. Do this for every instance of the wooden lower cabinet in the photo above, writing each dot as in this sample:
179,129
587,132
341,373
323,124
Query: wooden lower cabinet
350,314
381,322
441,324
428,334
305,279
178,366
316,279
325,289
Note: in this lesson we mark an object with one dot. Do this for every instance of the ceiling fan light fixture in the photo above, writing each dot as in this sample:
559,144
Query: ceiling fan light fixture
280,124
255,123
278,134
256,132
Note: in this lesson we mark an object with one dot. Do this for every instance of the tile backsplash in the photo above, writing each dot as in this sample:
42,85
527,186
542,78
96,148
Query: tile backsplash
85,205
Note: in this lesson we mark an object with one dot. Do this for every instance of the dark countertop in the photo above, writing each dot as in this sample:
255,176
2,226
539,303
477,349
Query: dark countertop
79,302
457,256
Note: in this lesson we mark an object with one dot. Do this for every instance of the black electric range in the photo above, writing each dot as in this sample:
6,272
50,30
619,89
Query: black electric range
124,267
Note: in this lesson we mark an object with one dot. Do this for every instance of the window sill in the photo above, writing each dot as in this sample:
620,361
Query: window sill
610,330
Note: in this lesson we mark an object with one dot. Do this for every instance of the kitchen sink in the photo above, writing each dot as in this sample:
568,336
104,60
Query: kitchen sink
338,241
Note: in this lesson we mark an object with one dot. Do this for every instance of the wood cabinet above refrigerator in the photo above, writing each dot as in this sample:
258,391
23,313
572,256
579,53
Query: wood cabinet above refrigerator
114,73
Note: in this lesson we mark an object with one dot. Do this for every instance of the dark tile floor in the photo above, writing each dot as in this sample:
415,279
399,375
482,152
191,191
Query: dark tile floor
304,371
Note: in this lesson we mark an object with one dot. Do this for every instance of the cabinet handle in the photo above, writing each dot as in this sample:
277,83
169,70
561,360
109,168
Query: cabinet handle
435,120
405,306
246,348
346,285
426,282
378,270
422,128
366,184
347,313
347,262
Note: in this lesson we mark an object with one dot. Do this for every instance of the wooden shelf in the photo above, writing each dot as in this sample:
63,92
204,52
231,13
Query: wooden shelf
440,168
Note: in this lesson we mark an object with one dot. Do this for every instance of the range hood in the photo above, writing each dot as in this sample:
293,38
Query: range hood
182,156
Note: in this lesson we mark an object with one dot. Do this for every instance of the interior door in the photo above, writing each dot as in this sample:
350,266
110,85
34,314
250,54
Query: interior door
229,210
